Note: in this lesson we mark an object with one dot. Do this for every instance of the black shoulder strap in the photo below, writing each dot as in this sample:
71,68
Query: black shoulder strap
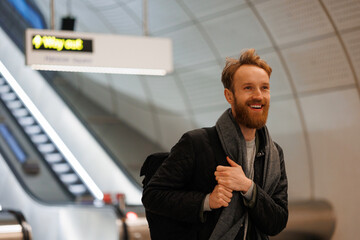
151,165
220,155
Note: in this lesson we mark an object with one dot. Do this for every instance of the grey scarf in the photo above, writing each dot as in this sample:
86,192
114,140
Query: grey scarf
234,145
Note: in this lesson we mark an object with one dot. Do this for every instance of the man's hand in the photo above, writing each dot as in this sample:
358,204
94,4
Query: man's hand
220,197
232,177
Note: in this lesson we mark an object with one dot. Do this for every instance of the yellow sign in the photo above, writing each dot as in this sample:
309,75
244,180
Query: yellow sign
56,43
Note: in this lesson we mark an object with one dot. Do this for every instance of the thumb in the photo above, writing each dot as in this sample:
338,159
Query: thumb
231,162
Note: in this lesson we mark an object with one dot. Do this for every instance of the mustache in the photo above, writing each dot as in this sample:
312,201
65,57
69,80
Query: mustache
262,102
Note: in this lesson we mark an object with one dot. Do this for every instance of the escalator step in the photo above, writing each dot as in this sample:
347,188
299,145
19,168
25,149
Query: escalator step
61,168
53,157
20,112
14,104
69,178
26,121
5,89
40,138
77,189
46,148
8,96
32,129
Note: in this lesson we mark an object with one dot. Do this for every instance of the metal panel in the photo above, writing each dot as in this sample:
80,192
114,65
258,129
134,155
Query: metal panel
202,8
352,43
291,21
162,14
279,83
104,3
345,13
318,65
189,47
121,21
235,31
203,86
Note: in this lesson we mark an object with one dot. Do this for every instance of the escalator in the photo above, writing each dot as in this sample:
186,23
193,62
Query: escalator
68,220
17,121
66,167
40,176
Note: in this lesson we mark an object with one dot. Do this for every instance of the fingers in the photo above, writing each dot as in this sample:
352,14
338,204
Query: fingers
232,177
224,203
231,162
228,183
220,197
224,182
227,192
225,168
221,168
223,189
222,173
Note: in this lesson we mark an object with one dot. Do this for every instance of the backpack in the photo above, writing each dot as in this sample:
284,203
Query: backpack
162,227
154,161
151,165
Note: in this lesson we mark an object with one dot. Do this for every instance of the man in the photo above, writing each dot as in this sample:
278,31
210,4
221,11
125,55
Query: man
228,181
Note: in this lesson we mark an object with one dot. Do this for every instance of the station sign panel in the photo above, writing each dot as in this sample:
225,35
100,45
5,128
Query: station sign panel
91,52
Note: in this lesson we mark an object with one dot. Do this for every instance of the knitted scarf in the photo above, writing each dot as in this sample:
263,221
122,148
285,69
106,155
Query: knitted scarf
234,145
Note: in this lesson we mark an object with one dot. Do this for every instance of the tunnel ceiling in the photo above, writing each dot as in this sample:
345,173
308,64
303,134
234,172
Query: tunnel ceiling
312,46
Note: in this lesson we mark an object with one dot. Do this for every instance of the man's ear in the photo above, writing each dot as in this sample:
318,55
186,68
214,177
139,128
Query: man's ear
229,96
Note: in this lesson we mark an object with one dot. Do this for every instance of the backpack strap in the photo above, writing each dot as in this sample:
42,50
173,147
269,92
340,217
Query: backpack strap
151,165
216,146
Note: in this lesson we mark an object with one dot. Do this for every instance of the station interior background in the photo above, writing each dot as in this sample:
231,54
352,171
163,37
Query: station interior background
313,47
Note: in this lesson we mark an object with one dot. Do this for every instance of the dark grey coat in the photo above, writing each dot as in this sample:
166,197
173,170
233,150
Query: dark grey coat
177,190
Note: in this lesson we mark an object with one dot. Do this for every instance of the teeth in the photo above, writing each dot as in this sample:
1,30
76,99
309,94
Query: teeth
256,106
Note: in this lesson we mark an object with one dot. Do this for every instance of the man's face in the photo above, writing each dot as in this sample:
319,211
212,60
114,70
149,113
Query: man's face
251,96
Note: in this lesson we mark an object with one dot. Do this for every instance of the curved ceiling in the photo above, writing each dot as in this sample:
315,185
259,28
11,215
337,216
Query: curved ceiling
308,44
312,46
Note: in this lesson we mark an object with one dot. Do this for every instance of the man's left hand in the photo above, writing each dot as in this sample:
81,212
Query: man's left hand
232,177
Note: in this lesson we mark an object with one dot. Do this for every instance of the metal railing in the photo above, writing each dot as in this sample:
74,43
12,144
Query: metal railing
13,226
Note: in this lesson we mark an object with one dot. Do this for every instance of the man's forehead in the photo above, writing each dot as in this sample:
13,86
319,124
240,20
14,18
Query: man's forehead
251,74
246,68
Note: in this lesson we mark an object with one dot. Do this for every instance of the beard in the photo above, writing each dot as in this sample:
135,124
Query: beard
245,116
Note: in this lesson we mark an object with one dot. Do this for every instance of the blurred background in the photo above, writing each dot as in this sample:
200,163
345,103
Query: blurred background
313,47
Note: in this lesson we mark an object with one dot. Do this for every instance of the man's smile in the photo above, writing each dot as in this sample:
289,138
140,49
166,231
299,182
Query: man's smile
256,106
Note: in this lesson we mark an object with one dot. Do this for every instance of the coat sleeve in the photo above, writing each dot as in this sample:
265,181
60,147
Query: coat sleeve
168,191
270,213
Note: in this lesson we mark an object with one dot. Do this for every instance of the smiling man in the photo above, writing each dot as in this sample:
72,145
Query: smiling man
228,181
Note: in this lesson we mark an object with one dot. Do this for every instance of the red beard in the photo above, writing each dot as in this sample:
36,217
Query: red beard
248,118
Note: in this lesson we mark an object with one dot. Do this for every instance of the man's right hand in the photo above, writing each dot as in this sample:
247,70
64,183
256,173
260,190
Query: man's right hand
220,197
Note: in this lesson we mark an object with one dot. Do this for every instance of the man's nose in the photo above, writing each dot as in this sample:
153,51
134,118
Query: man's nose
257,94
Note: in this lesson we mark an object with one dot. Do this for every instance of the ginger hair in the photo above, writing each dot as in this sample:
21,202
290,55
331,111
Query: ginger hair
248,57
